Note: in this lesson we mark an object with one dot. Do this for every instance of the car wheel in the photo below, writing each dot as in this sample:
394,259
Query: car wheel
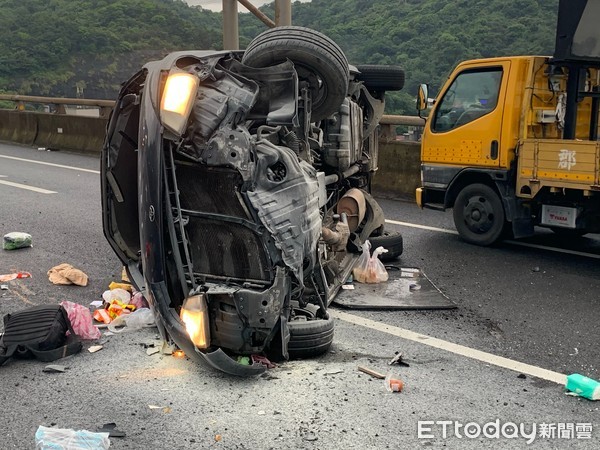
391,241
309,336
478,214
317,59
381,78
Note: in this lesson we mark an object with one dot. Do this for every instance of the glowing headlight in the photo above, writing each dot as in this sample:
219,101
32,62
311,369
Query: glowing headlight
194,314
178,98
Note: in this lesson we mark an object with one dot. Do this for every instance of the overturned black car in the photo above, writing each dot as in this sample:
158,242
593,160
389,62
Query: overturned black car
235,189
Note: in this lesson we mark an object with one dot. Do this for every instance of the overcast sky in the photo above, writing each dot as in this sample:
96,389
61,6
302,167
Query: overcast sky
217,5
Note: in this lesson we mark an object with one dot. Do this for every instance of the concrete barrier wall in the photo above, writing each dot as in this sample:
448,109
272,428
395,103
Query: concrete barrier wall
399,161
399,172
76,133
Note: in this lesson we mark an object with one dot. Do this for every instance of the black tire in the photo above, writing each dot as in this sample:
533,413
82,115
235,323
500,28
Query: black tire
381,78
479,215
391,241
309,338
314,55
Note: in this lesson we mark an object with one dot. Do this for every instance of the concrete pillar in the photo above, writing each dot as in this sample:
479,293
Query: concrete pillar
231,37
283,12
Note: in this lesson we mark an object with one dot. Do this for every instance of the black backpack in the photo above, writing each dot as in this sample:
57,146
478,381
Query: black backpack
38,332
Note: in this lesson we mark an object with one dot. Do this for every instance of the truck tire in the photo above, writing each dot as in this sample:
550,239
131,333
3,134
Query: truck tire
381,78
309,336
317,58
391,241
478,214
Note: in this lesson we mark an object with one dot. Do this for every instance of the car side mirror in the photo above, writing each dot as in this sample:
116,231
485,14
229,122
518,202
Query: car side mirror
422,98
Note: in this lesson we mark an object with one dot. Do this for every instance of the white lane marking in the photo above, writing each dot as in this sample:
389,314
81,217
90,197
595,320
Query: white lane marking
553,249
50,164
25,186
468,352
522,244
423,227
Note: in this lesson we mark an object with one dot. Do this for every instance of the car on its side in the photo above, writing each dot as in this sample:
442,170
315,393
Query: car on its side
235,189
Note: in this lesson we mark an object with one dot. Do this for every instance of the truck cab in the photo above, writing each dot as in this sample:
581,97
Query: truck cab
512,142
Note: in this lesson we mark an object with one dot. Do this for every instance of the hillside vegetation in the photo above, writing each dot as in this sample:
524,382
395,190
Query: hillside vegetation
53,47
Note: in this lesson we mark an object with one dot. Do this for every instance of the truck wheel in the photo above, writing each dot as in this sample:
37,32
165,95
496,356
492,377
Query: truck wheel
381,78
391,241
309,336
318,60
479,214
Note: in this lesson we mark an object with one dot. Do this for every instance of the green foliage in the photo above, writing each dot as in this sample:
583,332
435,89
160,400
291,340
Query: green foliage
48,46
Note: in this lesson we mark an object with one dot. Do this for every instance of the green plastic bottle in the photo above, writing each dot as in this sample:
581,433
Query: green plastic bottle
583,386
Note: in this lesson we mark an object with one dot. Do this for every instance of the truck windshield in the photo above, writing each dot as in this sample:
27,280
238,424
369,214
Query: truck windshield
473,93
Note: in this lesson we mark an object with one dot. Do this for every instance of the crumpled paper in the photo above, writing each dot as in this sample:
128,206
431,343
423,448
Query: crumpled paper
67,274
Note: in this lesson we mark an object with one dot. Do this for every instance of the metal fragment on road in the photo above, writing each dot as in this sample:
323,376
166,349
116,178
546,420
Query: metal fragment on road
54,368
152,350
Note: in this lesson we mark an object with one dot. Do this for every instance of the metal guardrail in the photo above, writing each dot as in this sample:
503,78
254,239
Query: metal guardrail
388,122
105,106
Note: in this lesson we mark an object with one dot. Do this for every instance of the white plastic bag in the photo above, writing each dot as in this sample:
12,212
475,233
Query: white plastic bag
65,439
369,269
116,294
140,318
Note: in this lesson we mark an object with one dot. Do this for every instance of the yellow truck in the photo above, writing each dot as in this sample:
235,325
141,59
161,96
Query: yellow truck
512,142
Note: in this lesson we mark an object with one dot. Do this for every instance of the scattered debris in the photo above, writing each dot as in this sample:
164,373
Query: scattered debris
243,360
14,276
398,360
582,386
393,384
414,287
15,240
67,274
95,348
4,287
575,353
263,360
218,438
179,353
46,437
348,286
125,286
152,351
261,413
97,303
335,372
522,376
535,269
81,320
111,429
165,409
54,368
371,372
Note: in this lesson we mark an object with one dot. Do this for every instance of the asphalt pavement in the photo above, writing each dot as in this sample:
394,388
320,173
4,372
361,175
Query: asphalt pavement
531,306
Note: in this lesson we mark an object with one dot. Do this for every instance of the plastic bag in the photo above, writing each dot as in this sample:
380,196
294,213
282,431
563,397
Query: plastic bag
116,294
138,319
138,300
81,320
369,269
65,439
15,240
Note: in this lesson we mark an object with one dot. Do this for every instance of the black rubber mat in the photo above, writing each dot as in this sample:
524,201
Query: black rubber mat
406,288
